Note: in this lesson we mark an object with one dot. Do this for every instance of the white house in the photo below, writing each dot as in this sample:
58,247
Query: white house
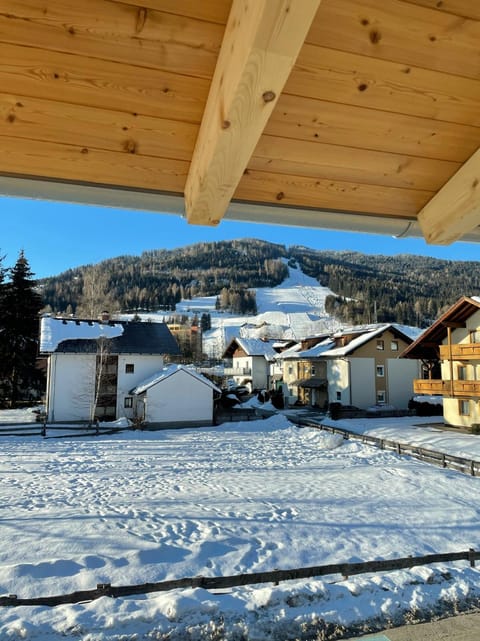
251,359
92,365
176,395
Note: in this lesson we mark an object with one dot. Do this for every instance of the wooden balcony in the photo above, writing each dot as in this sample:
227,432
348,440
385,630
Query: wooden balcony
460,389
460,351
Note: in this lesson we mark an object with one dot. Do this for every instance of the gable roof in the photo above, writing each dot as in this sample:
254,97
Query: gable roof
426,345
167,372
251,347
125,337
363,334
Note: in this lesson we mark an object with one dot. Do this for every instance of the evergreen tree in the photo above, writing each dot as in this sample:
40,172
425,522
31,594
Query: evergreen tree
20,305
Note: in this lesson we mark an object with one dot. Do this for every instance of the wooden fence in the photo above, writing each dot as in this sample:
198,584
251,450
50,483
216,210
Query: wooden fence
52,431
222,582
458,463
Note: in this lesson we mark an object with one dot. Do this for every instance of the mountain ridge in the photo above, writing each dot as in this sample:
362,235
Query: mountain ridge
405,288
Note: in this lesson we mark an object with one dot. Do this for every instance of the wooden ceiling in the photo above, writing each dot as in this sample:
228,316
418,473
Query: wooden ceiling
349,114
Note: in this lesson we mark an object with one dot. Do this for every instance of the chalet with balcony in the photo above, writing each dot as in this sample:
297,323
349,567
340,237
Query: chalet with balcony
450,354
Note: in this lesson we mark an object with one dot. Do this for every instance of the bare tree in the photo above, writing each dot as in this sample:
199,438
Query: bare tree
96,296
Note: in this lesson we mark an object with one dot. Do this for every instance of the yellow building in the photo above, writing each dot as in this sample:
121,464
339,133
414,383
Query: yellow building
450,352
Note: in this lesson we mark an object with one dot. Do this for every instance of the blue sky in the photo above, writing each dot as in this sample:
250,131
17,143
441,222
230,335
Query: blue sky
58,236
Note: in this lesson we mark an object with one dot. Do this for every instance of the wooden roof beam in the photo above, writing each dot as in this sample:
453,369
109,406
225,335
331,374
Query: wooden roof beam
455,209
261,43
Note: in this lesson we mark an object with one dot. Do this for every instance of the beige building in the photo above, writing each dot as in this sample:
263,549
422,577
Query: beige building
450,352
358,366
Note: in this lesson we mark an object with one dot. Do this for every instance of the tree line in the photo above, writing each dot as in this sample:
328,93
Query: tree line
20,305
159,279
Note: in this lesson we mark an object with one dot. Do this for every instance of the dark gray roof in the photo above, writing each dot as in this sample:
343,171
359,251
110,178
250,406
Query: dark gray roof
137,338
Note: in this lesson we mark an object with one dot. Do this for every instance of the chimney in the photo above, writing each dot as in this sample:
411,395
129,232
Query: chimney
105,316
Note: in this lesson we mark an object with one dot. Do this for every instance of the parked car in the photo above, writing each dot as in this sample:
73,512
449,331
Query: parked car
242,390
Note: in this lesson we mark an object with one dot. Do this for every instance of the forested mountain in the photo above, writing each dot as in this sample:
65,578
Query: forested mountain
405,288
159,279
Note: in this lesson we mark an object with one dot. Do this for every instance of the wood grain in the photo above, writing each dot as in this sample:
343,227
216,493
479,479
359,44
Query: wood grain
400,32
299,191
276,154
326,122
262,41
455,209
342,77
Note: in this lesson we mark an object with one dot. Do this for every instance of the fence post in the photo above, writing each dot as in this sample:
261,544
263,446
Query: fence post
471,557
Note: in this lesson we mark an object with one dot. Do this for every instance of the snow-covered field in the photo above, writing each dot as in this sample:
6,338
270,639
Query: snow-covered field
147,506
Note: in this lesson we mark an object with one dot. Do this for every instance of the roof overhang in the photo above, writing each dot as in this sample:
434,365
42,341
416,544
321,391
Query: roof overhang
335,114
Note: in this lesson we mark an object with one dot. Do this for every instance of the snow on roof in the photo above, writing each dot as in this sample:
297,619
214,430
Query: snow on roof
366,333
168,371
291,352
318,349
55,330
257,347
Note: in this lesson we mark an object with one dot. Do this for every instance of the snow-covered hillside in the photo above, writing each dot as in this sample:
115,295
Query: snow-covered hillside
293,309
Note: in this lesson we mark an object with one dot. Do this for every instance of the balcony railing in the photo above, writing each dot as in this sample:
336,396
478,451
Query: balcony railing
461,389
460,351
237,371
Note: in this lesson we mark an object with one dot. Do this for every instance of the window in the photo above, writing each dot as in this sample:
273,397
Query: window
313,370
464,408
380,370
339,396
290,370
394,346
462,373
381,396
380,345
475,336
129,368
128,402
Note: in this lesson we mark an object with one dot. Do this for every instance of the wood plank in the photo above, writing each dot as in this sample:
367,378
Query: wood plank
262,41
338,76
212,10
40,73
116,32
331,123
256,186
400,32
317,160
464,8
30,159
455,209
90,128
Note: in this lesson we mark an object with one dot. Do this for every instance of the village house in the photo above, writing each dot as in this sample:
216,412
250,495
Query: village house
250,361
358,366
93,364
450,353
176,395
